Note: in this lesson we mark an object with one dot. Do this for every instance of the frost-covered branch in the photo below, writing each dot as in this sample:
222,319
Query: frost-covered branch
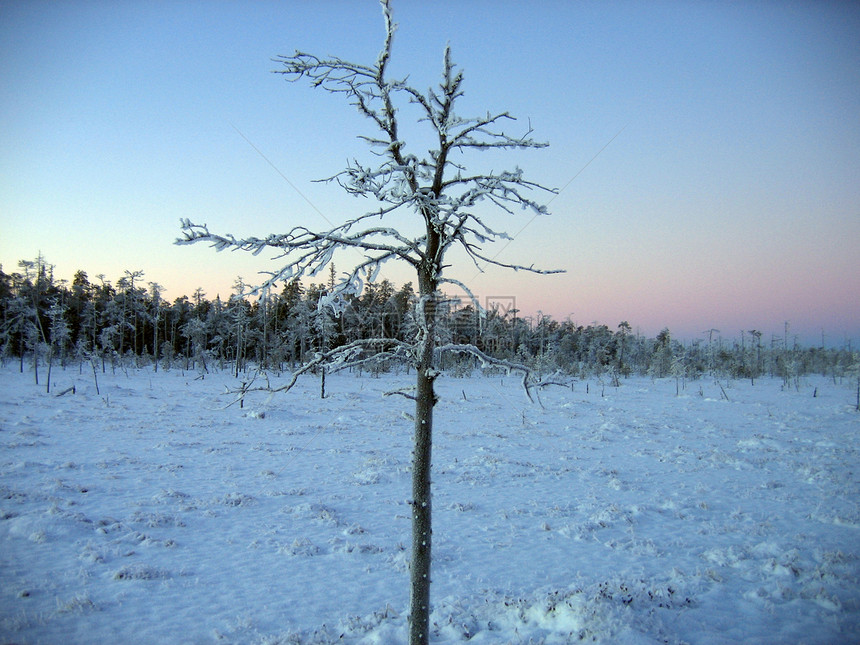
343,357
308,253
529,381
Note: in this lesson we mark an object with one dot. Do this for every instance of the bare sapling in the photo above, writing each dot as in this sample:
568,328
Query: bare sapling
443,198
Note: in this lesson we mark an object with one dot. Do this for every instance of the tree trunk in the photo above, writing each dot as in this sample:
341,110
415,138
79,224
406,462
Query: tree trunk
155,340
50,365
419,613
421,507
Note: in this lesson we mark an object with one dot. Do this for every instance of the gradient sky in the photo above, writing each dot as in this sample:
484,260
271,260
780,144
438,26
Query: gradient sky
729,200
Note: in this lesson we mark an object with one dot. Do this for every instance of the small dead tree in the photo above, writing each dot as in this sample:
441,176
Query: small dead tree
444,197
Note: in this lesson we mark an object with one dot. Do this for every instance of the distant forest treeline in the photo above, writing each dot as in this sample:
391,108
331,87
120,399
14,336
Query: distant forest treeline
52,321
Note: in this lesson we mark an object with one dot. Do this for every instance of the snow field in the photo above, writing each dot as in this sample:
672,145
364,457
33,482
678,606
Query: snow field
618,515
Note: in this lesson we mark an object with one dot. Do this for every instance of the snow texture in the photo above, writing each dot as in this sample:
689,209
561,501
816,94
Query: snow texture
152,514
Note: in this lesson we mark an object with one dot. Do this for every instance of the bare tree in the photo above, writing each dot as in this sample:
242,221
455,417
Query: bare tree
443,196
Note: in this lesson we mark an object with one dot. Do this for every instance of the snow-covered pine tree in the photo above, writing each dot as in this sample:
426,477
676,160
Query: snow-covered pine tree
443,195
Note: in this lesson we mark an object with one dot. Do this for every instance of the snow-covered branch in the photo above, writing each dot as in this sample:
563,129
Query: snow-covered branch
307,252
350,355
529,381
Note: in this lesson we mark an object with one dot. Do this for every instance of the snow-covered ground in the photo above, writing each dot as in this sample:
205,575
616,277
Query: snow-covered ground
150,514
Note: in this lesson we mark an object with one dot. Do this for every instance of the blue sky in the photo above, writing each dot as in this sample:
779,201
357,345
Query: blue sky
729,200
